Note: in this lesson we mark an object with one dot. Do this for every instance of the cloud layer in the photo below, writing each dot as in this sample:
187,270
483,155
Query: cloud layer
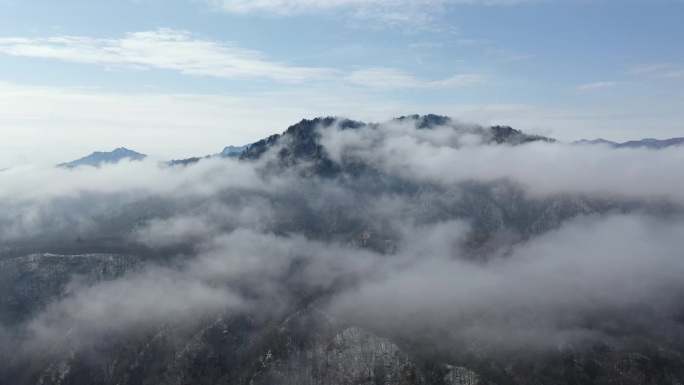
421,239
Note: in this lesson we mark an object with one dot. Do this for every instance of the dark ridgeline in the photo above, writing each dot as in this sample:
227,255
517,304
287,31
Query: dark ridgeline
648,143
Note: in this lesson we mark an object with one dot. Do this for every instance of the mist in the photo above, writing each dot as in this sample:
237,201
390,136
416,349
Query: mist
425,243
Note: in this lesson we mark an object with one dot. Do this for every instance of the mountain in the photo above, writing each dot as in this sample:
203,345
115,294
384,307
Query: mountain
595,141
652,143
99,158
232,151
319,261
648,143
301,141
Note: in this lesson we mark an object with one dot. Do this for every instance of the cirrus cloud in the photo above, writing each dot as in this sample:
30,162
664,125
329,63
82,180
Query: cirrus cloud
181,51
390,78
165,49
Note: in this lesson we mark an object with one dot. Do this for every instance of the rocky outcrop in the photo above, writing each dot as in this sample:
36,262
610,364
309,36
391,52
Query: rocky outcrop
314,348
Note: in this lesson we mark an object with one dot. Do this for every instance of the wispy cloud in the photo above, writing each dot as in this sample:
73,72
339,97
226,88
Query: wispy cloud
167,49
675,74
596,85
426,45
178,50
295,6
389,78
471,42
662,70
392,13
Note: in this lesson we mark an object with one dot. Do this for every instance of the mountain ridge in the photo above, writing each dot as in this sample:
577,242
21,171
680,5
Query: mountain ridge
649,143
98,158
304,131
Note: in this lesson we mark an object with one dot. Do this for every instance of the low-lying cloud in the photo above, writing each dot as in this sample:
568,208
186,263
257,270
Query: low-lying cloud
428,239
447,156
545,287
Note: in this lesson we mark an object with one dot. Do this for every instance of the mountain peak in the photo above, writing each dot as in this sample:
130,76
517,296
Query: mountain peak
426,121
301,141
232,151
595,141
99,158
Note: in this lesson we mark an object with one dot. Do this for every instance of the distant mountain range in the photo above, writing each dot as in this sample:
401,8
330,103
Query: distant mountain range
99,158
498,134
643,143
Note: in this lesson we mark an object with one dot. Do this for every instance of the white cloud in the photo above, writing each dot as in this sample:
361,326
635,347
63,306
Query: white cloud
662,70
410,14
597,85
530,296
166,49
541,169
649,68
295,6
427,45
581,268
390,78
679,73
471,42
175,50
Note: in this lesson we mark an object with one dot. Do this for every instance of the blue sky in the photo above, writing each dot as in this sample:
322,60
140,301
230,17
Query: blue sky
177,78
